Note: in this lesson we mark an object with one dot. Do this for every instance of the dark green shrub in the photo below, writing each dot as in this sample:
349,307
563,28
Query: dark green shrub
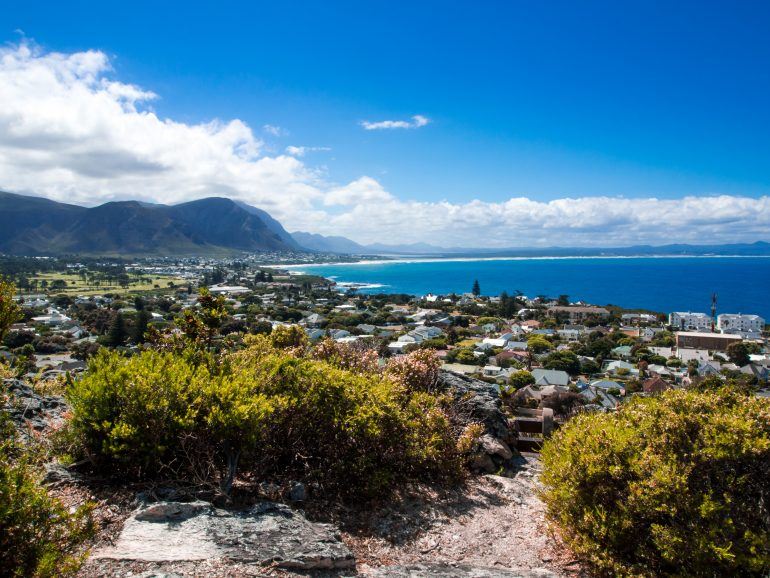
38,534
673,485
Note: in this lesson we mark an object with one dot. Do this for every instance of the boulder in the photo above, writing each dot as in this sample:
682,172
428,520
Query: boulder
495,447
30,410
266,534
477,400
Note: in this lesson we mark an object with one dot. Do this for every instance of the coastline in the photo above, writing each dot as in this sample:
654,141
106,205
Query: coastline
518,258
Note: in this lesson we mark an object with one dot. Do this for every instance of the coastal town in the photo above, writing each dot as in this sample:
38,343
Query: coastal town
548,357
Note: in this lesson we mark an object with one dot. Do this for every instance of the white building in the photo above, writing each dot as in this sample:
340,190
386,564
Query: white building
689,321
739,323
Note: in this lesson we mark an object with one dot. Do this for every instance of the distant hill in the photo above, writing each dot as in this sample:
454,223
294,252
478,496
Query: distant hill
212,226
344,245
324,244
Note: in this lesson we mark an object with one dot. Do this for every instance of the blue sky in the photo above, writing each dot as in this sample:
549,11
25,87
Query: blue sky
546,100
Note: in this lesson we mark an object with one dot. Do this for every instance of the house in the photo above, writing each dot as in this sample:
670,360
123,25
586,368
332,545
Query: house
492,370
655,385
537,392
550,377
315,334
740,323
52,319
622,366
686,355
461,368
229,289
600,398
622,351
607,384
314,320
569,334
666,352
398,346
688,321
426,332
761,372
366,328
577,313
495,342
338,333
516,346
708,368
712,341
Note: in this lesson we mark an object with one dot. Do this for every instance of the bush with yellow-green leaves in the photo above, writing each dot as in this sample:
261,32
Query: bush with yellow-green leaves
672,485
263,411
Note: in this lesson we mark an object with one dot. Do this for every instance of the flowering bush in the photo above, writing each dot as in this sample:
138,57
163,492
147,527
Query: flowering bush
359,359
415,371
672,485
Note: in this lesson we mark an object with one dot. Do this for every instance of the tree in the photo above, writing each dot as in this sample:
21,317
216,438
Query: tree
521,379
476,288
538,344
10,311
563,361
738,353
142,321
563,300
116,334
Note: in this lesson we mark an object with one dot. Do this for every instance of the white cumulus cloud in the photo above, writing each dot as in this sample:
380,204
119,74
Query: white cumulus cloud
302,151
71,131
417,121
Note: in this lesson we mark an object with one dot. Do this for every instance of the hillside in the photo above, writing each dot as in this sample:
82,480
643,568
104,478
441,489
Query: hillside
212,226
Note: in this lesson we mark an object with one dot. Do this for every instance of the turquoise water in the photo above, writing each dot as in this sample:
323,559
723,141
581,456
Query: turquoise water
659,284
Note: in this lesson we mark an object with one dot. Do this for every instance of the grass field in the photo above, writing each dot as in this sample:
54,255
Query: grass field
75,285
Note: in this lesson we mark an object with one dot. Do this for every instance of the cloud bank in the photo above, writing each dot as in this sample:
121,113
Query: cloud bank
72,132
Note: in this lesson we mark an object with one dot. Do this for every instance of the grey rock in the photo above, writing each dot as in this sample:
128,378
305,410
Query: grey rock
29,410
297,492
56,474
496,447
268,533
481,462
477,401
459,571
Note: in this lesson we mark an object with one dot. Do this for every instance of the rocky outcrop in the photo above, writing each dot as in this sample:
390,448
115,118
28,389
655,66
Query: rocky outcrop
31,411
478,401
266,534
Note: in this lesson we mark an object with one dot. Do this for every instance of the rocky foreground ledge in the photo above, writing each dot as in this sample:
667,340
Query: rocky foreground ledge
268,534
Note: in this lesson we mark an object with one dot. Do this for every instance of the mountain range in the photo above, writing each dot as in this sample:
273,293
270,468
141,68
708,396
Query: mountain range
218,226
212,226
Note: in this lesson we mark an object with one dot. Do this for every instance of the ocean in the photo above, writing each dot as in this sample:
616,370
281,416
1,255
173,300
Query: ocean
661,284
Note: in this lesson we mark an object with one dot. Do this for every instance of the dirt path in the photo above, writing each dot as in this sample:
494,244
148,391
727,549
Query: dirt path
495,522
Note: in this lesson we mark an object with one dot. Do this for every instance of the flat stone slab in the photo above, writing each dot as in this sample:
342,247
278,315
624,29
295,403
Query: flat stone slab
459,571
268,533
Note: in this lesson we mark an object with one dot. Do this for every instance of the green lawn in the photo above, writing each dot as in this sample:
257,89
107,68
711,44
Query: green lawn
75,285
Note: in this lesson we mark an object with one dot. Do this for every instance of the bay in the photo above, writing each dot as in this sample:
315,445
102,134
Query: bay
662,284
